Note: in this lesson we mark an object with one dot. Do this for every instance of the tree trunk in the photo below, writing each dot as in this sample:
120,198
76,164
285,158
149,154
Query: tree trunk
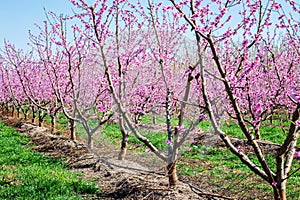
172,174
136,118
125,135
257,134
40,121
25,113
41,118
154,120
26,116
276,194
282,194
282,190
90,141
6,108
123,150
13,111
52,124
72,130
33,115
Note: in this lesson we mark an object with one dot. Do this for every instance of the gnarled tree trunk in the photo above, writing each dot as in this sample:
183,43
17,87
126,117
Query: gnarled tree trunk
172,174
125,136
90,141
72,130
52,124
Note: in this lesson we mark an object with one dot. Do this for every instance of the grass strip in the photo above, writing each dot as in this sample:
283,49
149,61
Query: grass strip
25,174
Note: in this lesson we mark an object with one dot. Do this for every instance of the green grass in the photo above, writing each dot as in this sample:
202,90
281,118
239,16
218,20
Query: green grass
271,132
112,134
221,164
159,120
26,174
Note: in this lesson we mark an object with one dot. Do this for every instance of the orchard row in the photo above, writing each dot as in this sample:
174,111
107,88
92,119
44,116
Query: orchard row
191,60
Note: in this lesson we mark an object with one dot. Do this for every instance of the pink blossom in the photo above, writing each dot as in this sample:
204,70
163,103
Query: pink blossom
97,133
188,149
198,3
258,109
202,117
168,142
297,154
179,128
276,6
148,151
177,15
274,184
192,140
245,43
167,8
295,96
198,29
281,16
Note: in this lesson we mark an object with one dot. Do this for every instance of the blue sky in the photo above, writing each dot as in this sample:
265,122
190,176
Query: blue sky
19,16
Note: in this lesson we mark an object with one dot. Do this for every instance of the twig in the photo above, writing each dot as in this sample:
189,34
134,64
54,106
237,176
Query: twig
148,195
294,172
201,193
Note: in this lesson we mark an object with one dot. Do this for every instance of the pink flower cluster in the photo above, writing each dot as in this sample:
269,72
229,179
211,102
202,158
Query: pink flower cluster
297,154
